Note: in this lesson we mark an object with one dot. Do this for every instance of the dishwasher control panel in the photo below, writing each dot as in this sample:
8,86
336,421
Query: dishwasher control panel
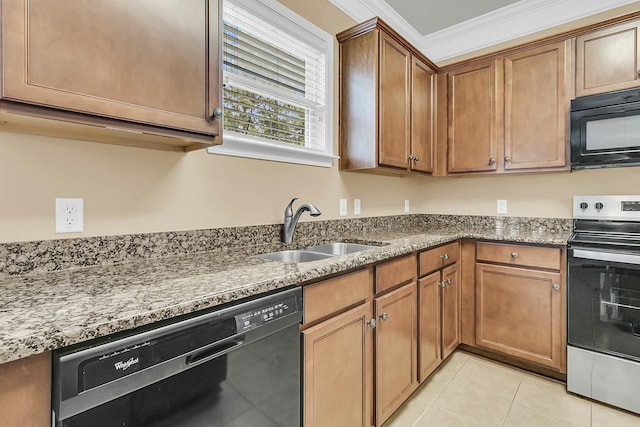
265,314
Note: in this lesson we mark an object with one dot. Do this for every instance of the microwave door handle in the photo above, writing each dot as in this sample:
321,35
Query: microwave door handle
607,256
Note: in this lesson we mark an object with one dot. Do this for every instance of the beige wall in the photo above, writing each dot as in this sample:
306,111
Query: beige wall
130,190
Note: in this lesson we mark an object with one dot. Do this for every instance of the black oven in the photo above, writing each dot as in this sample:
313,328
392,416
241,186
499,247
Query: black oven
605,130
239,365
603,300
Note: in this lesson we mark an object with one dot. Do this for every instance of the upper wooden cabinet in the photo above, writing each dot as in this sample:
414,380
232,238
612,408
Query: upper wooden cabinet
607,59
536,107
510,114
150,66
386,102
475,107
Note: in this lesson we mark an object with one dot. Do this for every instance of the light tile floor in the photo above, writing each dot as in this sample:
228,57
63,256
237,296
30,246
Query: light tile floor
472,391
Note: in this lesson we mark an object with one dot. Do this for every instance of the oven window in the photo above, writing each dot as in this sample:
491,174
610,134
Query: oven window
613,133
604,307
257,385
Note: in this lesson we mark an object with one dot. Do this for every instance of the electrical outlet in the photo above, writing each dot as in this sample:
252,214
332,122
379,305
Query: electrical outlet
406,206
356,206
502,206
343,207
69,215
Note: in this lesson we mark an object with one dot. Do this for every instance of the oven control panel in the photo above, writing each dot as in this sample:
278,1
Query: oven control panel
616,208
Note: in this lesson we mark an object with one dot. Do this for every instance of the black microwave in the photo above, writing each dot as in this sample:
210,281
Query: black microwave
605,130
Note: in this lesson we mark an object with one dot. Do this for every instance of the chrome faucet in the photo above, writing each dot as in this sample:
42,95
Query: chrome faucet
291,220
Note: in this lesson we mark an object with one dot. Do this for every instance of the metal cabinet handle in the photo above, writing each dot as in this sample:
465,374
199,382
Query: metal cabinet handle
514,254
444,257
445,283
217,113
507,159
556,287
372,323
384,316
410,157
492,160
416,158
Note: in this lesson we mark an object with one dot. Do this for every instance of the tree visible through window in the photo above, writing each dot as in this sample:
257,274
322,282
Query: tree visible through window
276,84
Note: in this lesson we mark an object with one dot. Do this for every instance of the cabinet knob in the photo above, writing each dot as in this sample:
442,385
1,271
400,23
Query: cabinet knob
492,160
514,254
217,113
447,282
372,323
384,316
444,257
410,157
556,287
442,284
507,159
416,158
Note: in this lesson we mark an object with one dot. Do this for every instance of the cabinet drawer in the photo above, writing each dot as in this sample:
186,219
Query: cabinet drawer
393,273
523,255
435,259
331,296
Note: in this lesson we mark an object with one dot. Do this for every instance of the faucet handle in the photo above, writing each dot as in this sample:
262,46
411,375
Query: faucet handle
289,210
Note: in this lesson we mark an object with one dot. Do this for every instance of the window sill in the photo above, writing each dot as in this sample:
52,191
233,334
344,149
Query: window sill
237,145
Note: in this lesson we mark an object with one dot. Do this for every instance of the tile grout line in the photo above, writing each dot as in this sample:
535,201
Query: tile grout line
440,392
512,401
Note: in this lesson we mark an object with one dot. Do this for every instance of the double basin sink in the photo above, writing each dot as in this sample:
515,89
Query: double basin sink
315,253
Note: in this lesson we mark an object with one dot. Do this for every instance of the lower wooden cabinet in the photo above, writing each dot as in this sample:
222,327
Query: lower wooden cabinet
439,318
396,349
430,344
520,311
450,310
25,391
338,370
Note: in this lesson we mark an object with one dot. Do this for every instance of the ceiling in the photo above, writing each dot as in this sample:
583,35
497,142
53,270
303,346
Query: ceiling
429,16
447,29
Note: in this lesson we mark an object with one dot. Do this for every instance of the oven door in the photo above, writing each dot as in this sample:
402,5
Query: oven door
604,301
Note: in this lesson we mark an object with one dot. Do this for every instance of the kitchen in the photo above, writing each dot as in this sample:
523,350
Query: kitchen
131,190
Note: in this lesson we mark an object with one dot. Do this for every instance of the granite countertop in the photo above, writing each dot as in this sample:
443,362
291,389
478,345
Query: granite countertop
48,310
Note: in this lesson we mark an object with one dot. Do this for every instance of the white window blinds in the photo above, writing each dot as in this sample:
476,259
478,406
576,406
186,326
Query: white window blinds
275,79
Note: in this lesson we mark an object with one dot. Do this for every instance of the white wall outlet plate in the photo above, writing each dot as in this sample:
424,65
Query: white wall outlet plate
356,206
343,207
502,206
69,215
406,206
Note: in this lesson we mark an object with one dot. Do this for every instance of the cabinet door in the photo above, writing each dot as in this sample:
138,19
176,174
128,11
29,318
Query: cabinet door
338,371
396,349
474,117
450,310
147,61
394,103
519,313
536,94
429,325
422,85
607,59
25,391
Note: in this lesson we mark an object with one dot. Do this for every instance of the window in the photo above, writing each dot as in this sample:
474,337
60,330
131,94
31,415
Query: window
277,72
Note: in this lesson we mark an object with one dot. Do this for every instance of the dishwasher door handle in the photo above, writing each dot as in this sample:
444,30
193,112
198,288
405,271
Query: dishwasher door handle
214,351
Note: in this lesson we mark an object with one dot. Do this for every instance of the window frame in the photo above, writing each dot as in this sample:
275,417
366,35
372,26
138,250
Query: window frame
246,146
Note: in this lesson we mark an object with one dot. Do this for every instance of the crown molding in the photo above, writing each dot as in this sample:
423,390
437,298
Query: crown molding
504,24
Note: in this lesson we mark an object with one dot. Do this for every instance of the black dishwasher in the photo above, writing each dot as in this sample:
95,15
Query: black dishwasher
236,366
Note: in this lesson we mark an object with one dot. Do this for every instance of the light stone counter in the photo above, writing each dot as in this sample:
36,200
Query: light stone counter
42,311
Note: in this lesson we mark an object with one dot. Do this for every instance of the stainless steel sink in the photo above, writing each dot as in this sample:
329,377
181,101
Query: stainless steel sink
296,255
339,248
315,253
